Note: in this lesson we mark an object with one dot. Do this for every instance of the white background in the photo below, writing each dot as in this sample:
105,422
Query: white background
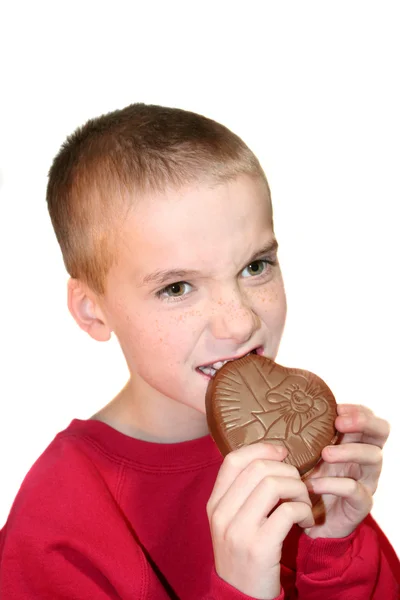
312,87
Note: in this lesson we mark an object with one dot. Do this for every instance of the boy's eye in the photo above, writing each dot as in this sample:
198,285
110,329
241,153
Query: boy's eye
175,290
257,267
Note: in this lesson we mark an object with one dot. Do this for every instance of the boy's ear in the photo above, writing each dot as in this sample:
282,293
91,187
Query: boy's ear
87,312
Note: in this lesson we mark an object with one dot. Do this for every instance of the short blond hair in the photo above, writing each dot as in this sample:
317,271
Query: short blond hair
121,156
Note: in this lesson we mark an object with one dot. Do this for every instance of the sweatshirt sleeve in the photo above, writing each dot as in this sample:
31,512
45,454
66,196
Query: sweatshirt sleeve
221,590
364,562
65,538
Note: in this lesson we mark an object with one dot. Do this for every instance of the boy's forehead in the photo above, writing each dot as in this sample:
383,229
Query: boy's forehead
188,225
197,205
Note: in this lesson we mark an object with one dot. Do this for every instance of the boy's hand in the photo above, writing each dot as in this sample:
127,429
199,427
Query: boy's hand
348,476
247,542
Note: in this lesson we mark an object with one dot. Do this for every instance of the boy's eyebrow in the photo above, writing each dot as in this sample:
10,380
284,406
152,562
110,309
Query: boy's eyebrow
272,246
162,276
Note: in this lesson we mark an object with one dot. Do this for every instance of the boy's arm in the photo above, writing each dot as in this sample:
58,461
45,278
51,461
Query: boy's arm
363,562
66,538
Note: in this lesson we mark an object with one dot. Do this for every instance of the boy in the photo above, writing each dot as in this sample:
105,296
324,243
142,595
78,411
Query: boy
164,220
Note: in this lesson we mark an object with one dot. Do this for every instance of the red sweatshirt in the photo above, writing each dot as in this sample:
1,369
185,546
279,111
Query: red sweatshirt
103,516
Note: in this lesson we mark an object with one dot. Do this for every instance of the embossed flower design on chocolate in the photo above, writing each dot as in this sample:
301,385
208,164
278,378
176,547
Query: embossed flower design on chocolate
300,402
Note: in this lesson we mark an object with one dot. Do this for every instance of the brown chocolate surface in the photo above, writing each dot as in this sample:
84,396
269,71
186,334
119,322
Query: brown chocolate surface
254,399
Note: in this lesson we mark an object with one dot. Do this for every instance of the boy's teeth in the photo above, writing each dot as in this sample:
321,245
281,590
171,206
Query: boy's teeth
208,371
218,364
212,369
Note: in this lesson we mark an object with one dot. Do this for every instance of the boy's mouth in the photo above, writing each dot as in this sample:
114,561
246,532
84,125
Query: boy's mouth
211,369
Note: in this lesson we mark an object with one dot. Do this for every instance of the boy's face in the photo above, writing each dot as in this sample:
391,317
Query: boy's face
197,282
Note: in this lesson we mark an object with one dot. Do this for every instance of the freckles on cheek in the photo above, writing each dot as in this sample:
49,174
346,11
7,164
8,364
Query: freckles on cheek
169,338
272,297
182,332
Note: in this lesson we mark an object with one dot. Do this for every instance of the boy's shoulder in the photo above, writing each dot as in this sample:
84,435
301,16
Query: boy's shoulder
87,463
66,518
72,470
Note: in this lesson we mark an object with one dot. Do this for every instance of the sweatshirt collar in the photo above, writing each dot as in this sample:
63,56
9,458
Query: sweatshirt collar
175,456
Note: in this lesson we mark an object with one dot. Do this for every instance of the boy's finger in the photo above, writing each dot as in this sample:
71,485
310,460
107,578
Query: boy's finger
235,462
247,481
349,408
368,457
374,430
267,495
344,487
277,526
256,504
362,454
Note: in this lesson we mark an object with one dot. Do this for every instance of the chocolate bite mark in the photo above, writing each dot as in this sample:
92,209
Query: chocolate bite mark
253,399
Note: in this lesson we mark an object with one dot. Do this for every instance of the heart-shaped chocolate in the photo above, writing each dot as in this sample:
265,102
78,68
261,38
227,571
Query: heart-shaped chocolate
253,399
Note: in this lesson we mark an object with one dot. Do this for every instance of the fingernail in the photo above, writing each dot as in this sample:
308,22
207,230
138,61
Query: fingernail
346,421
280,449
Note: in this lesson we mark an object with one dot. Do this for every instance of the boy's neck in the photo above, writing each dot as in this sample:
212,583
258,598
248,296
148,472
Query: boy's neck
124,413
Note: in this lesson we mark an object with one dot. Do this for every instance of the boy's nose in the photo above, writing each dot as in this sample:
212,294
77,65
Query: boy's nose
235,321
